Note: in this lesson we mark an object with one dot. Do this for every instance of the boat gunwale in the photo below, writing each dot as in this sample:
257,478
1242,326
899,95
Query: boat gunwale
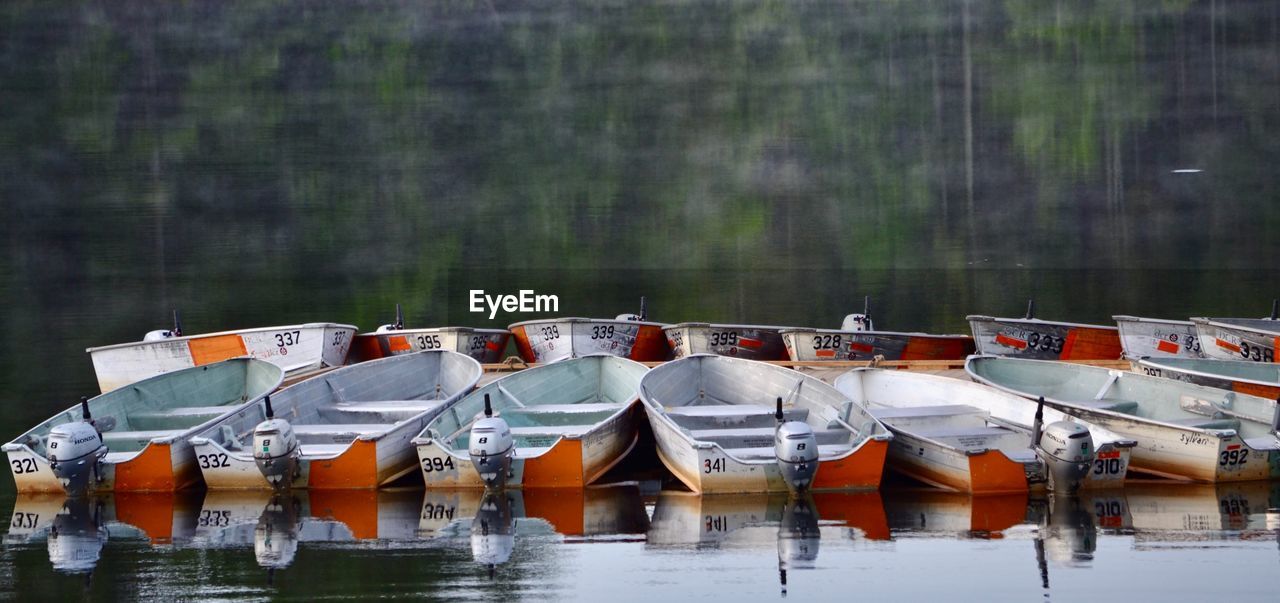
723,325
1218,322
1141,319
799,330
1035,321
1157,363
484,330
578,319
309,325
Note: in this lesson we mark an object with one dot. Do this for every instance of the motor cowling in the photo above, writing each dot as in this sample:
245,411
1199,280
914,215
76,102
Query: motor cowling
158,335
796,450
1067,450
276,452
490,449
856,322
75,451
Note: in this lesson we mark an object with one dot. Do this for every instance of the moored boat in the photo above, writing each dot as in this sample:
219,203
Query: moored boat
857,339
753,342
1253,378
485,345
347,428
294,348
1030,337
1158,338
630,336
1181,429
137,437
969,437
730,425
1252,339
566,424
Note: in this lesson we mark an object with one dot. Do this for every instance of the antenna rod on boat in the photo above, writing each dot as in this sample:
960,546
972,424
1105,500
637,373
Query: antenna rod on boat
177,323
644,309
488,408
1037,425
1274,308
778,413
1031,308
866,306
84,408
399,318
271,413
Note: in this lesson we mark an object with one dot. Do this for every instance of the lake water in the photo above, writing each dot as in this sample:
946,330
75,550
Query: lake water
257,163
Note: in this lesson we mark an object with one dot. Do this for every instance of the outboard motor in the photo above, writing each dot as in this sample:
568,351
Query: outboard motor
275,449
796,450
1067,450
76,537
641,317
492,535
491,448
158,335
798,537
275,538
75,452
398,325
859,322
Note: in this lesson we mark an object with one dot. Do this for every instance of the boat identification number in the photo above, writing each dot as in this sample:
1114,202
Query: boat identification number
288,338
724,338
1233,458
551,332
601,332
436,463
477,343
1106,466
437,512
213,461
339,338
214,518
429,342
713,465
25,520
27,465
1046,343
716,523
1256,352
826,342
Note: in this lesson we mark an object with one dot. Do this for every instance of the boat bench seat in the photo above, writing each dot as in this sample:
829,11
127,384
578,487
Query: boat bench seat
564,408
175,418
550,430
1112,404
962,432
941,410
1208,423
731,415
388,411
766,452
140,436
336,432
757,434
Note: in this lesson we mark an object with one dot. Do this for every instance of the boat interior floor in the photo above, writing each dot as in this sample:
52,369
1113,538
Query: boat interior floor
746,431
537,427
958,426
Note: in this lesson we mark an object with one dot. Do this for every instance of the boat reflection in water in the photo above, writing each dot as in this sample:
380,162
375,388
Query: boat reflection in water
927,513
492,521
794,525
77,529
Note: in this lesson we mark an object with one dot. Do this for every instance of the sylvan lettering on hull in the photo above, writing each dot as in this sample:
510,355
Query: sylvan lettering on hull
526,301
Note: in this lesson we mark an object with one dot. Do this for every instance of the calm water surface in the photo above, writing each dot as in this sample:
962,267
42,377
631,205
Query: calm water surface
256,163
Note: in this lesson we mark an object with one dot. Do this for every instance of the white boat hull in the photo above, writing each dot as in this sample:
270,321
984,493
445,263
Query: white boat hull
553,340
295,348
1222,341
1153,338
811,345
752,342
1043,340
485,345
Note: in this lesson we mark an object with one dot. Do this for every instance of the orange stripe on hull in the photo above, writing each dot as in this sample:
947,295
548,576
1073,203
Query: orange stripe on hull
1167,346
150,471
1270,392
357,510
398,344
560,467
366,347
651,345
522,344
1091,344
862,469
993,473
206,350
937,348
355,468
